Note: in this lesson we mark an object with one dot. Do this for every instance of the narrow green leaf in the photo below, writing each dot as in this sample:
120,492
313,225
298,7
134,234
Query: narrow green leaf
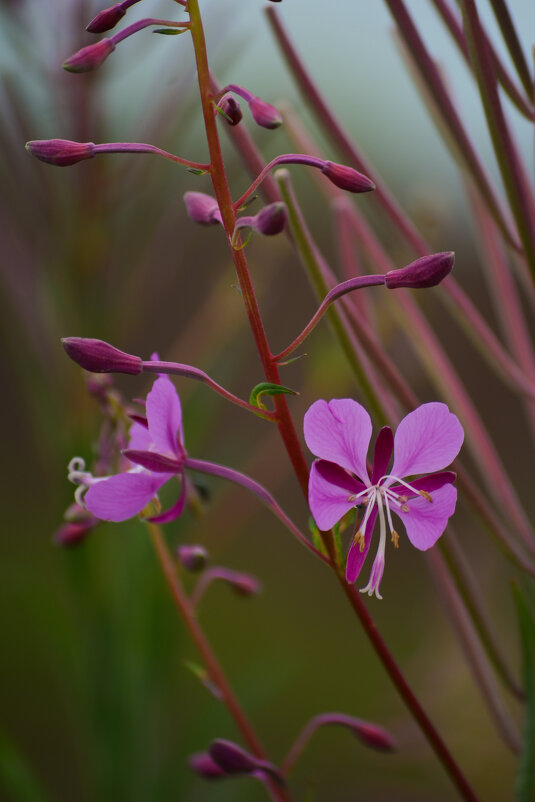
170,31
196,171
525,778
266,388
292,359
202,675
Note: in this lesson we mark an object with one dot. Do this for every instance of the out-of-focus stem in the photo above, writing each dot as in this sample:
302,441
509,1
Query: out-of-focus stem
501,12
525,106
476,658
307,252
517,185
211,662
467,587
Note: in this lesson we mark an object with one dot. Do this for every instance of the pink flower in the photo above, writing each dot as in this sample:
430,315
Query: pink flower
156,453
426,440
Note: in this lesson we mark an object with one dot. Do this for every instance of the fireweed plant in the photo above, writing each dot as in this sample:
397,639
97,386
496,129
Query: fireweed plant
144,447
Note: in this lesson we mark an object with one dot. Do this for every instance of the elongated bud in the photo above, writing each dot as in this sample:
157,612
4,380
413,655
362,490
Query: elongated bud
106,19
263,114
269,221
428,271
77,525
202,208
231,109
244,584
231,757
61,152
203,764
90,57
98,356
193,557
347,178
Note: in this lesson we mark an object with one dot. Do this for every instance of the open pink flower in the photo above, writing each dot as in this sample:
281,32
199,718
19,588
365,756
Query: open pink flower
426,440
156,453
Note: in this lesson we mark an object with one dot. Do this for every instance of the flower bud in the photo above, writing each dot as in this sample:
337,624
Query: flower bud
271,219
232,758
202,764
263,114
61,152
347,178
98,356
77,525
231,109
193,557
90,57
106,19
244,584
202,208
428,271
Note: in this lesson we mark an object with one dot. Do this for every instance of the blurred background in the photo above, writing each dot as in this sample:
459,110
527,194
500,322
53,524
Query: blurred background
96,700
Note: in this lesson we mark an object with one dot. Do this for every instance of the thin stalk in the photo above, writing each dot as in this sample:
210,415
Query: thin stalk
308,253
523,104
211,662
475,656
286,426
501,12
512,170
140,147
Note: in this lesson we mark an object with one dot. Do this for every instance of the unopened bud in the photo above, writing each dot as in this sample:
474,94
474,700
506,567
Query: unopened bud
245,584
231,109
263,114
202,764
347,178
106,19
77,525
90,57
202,208
61,152
98,356
428,271
193,557
271,219
231,757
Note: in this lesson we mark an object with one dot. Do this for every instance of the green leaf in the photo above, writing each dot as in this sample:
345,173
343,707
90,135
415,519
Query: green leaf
196,171
317,539
266,388
292,359
202,675
525,777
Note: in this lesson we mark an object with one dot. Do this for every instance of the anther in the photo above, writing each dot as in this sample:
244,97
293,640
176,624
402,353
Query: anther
359,539
395,539
405,508
426,495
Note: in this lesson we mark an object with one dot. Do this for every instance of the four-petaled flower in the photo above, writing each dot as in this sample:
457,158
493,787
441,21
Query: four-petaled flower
156,452
426,440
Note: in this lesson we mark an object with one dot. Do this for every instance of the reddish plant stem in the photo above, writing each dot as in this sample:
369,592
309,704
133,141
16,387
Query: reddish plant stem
211,662
285,423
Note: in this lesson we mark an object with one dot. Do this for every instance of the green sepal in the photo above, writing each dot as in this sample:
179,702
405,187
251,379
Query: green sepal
266,388
170,31
525,776
317,539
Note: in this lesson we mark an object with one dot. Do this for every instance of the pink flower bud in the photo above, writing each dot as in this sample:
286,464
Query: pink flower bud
78,524
231,757
347,178
428,271
202,208
90,57
245,584
106,19
271,219
98,356
61,152
263,114
193,557
202,764
231,109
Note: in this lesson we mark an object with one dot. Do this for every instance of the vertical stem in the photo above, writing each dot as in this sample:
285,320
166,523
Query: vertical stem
215,670
285,423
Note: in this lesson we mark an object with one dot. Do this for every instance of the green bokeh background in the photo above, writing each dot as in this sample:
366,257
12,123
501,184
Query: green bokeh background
96,702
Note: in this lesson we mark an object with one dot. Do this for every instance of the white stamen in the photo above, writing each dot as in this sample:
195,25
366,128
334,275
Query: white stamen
401,481
378,564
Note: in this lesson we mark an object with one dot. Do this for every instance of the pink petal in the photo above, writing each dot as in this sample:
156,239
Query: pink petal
140,439
382,453
173,512
164,414
340,432
356,557
426,440
328,489
428,483
426,521
124,495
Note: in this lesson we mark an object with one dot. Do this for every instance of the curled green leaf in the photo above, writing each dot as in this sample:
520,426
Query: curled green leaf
266,388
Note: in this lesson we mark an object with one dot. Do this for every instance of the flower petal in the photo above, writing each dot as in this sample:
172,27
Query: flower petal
328,489
356,557
339,431
382,453
426,521
426,440
428,483
164,415
140,438
122,496
175,510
